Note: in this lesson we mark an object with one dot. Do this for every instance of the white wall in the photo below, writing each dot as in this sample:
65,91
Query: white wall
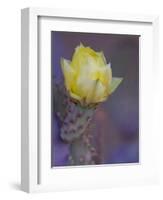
10,96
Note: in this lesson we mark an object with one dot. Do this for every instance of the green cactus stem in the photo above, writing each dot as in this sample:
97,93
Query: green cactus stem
75,128
82,151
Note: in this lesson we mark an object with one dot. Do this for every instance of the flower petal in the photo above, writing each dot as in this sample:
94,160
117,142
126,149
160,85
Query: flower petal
91,92
100,93
101,59
84,86
68,72
103,74
74,96
109,72
115,83
86,55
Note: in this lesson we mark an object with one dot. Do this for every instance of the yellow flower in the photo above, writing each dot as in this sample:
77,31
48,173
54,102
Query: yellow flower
88,78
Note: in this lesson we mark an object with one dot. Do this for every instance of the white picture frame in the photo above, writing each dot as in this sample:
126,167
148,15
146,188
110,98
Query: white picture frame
36,172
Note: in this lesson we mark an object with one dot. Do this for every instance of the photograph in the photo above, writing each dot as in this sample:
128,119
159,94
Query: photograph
95,99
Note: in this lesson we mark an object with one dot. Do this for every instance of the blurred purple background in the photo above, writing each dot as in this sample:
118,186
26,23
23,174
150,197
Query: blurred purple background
117,120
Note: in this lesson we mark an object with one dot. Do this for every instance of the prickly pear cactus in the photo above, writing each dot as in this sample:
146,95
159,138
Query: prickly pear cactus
82,150
75,127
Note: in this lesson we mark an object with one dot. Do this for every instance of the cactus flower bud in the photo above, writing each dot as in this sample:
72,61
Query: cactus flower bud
88,77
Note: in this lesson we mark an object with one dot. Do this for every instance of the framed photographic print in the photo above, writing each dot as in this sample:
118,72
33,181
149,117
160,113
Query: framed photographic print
88,118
